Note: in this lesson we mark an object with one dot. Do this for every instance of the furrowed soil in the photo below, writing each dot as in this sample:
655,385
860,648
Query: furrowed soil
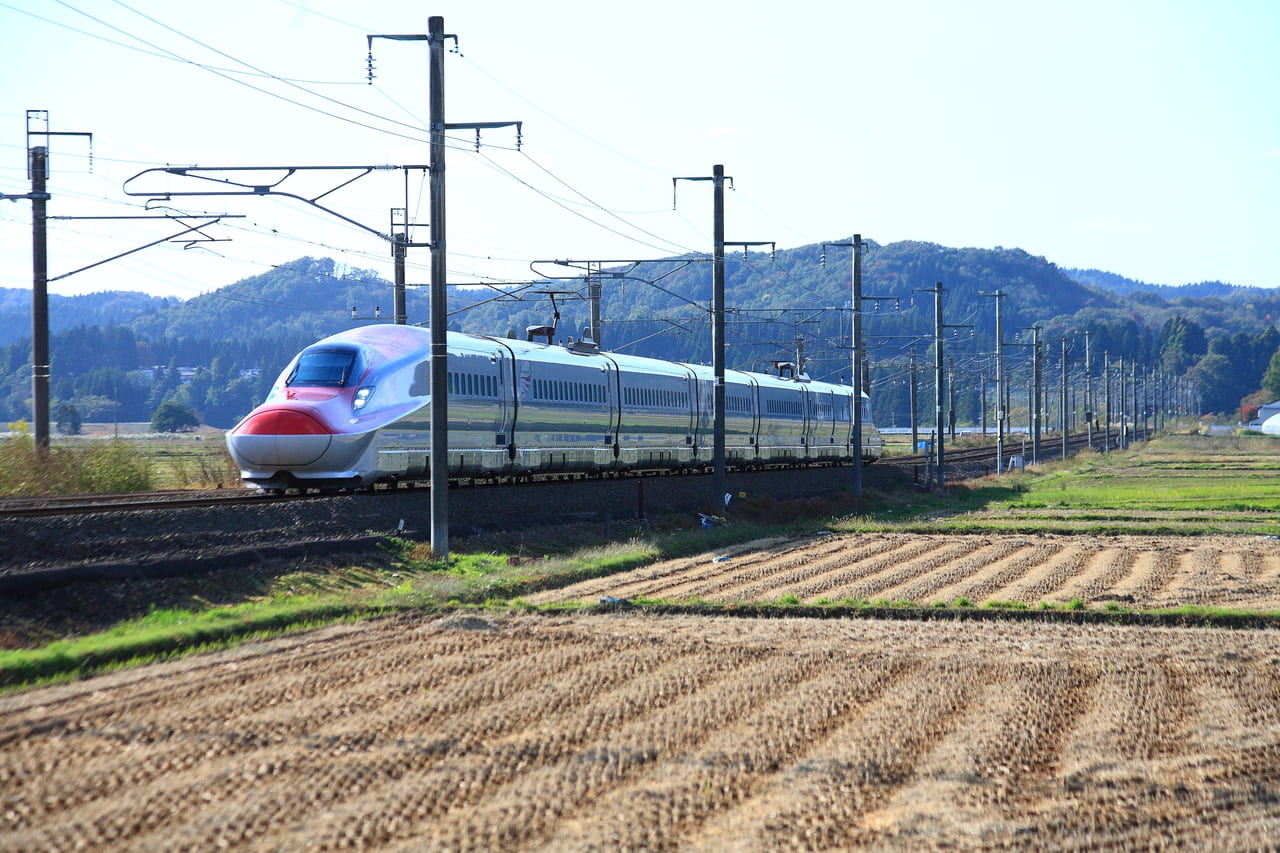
629,731
1140,572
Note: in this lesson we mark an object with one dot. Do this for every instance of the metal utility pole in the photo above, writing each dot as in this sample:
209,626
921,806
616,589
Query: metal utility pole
858,346
938,378
717,178
398,260
39,298
399,239
719,480
1038,368
438,311
1089,413
1124,408
594,289
438,305
951,397
1106,377
1062,406
939,381
982,404
38,172
1001,399
915,404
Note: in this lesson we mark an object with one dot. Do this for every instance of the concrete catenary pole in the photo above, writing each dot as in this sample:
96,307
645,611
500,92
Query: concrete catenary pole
1037,394
1062,403
858,346
398,252
40,298
1089,412
1001,402
719,481
939,381
438,311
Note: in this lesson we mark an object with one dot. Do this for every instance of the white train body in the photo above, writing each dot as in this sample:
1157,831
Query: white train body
353,410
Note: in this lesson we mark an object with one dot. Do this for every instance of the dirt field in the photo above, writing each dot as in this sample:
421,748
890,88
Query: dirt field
631,731
1138,572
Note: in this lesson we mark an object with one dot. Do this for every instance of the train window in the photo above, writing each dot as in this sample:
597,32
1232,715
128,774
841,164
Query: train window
323,368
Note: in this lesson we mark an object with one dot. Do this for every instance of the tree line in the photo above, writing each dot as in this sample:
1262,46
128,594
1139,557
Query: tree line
214,357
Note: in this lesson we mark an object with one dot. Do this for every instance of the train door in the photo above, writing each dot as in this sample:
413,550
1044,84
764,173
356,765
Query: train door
612,399
753,405
691,390
807,419
504,424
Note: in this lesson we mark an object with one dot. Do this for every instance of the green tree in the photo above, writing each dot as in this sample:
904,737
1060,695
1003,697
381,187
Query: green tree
68,419
1271,379
1217,378
1182,343
172,416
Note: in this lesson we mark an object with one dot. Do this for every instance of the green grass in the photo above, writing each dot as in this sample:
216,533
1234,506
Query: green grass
1174,485
165,634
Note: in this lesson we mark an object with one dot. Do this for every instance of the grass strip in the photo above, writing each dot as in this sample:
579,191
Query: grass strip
163,635
1182,617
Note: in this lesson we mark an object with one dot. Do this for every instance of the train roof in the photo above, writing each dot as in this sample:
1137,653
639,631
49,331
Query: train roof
396,341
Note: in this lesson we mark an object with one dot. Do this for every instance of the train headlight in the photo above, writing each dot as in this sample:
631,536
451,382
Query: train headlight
362,397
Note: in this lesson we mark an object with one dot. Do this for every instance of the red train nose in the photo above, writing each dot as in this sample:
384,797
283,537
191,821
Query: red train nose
281,422
279,437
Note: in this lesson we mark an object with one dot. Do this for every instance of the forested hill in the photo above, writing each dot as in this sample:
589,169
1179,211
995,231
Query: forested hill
126,352
111,308
1124,286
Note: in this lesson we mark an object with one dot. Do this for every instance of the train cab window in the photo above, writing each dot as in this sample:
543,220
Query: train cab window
323,368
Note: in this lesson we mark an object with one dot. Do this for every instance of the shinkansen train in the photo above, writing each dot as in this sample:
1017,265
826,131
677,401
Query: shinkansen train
352,410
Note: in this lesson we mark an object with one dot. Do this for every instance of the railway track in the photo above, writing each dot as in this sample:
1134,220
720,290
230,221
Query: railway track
1050,448
132,501
70,505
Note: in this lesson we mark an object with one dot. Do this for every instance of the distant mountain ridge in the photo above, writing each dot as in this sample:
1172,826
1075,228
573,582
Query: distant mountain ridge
108,308
1124,286
230,343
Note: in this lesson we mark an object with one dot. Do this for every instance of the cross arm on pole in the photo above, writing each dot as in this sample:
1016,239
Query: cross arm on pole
746,244
196,228
274,178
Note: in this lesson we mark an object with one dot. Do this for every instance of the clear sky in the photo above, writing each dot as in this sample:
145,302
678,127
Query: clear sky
1137,137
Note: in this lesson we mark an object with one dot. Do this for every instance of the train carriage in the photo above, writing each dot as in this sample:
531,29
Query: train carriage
352,410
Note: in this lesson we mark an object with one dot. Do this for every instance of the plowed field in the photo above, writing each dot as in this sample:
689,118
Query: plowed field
644,732
1141,572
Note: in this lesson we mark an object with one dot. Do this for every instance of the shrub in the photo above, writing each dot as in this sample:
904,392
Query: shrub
106,466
